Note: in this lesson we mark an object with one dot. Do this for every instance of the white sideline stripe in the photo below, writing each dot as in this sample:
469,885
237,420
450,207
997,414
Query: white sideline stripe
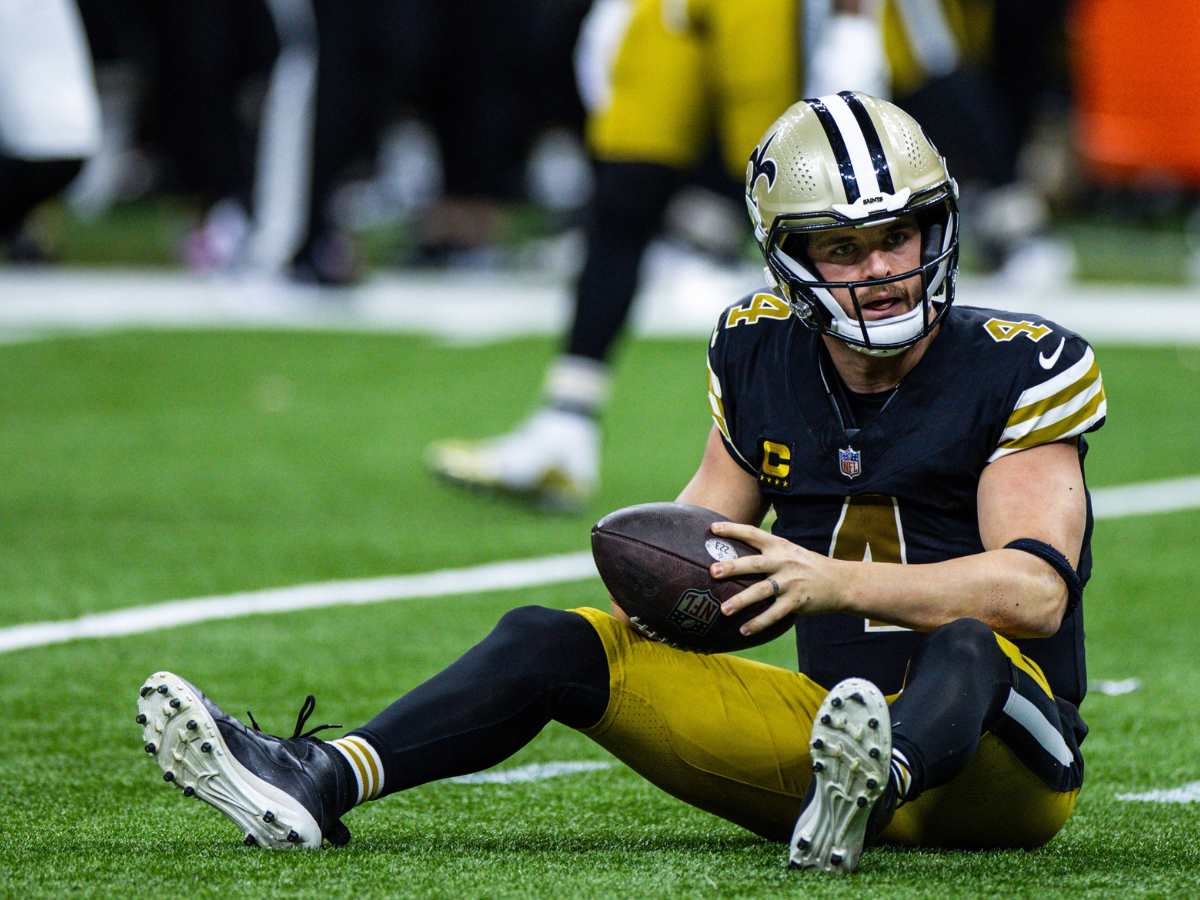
1170,495
533,772
1108,503
138,619
1188,793
680,296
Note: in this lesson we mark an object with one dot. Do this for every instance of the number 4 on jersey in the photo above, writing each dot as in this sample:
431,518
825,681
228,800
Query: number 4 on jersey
869,530
1003,331
761,306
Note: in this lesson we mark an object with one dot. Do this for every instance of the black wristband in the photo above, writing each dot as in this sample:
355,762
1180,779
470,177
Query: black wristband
1058,562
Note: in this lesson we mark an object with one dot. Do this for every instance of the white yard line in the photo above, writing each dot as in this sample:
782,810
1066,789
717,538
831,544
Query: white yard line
1188,793
1127,500
138,619
533,772
1169,495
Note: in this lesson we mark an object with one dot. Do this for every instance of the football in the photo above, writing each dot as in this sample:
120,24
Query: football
654,560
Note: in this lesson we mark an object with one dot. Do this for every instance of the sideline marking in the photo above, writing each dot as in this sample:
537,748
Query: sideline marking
533,772
1108,503
680,294
1188,793
138,619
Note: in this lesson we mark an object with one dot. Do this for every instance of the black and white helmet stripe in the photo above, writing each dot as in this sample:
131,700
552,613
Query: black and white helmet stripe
856,145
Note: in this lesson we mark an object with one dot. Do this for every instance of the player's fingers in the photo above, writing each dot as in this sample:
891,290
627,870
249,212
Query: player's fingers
755,537
745,565
765,619
756,593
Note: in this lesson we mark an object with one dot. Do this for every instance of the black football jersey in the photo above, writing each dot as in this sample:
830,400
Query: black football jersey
903,487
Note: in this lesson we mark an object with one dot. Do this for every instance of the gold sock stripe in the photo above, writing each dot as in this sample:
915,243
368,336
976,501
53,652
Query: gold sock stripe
357,763
374,763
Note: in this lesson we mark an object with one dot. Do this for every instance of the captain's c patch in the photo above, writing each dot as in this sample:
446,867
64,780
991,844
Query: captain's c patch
776,466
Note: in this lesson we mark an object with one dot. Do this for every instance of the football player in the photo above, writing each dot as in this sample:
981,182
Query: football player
932,535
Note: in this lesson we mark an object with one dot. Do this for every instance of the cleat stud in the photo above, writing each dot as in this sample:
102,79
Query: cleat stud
825,719
141,719
872,723
835,859
293,838
858,698
150,748
168,776
818,766
818,744
189,791
206,747
873,753
836,702
146,690
175,703
872,784
861,801
803,844
162,688
191,725
249,841
268,816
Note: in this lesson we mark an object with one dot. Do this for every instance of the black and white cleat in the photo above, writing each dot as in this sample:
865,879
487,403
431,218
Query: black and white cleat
280,792
851,752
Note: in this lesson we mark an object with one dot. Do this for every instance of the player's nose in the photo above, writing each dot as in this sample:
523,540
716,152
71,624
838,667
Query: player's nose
878,264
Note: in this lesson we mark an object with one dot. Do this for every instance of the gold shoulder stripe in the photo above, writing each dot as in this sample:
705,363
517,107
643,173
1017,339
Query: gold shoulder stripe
1041,407
717,404
1060,429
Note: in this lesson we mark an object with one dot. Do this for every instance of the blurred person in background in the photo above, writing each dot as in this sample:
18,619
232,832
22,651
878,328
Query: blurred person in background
976,73
49,112
665,79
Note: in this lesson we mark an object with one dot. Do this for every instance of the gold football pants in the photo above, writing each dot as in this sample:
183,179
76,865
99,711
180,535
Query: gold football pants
730,735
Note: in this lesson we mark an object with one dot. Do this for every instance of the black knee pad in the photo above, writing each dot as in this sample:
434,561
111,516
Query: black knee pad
965,642
549,643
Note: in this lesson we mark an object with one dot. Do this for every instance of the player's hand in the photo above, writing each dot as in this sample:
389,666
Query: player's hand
802,582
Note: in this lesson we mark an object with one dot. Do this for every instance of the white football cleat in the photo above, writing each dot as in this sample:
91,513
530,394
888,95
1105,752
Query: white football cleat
552,460
851,752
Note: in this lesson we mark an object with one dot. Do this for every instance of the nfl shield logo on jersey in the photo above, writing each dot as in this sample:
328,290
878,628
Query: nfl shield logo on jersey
850,462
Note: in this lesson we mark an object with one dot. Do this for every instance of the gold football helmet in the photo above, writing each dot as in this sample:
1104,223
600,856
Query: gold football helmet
850,159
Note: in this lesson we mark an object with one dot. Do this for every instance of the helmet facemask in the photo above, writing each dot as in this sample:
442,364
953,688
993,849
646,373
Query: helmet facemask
811,297
849,160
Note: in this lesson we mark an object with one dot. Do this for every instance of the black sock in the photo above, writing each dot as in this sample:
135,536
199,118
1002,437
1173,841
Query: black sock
958,680
537,665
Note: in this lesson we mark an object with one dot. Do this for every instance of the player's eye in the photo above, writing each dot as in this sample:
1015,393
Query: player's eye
899,237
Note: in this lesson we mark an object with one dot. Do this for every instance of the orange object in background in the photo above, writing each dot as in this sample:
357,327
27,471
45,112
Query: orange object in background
1137,83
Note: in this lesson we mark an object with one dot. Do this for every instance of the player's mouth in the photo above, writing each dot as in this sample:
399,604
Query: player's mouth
883,307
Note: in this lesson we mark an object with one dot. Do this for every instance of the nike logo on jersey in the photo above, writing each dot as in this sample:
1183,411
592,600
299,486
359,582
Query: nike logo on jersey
1048,362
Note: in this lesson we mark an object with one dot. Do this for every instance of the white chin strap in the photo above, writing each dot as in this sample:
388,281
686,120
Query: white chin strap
887,336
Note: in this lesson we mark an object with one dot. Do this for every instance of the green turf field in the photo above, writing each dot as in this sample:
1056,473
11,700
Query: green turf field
144,467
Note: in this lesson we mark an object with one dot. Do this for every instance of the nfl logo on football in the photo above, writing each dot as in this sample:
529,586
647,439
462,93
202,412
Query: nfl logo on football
850,462
695,611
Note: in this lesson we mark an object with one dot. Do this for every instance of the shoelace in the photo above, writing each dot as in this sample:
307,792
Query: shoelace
306,710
